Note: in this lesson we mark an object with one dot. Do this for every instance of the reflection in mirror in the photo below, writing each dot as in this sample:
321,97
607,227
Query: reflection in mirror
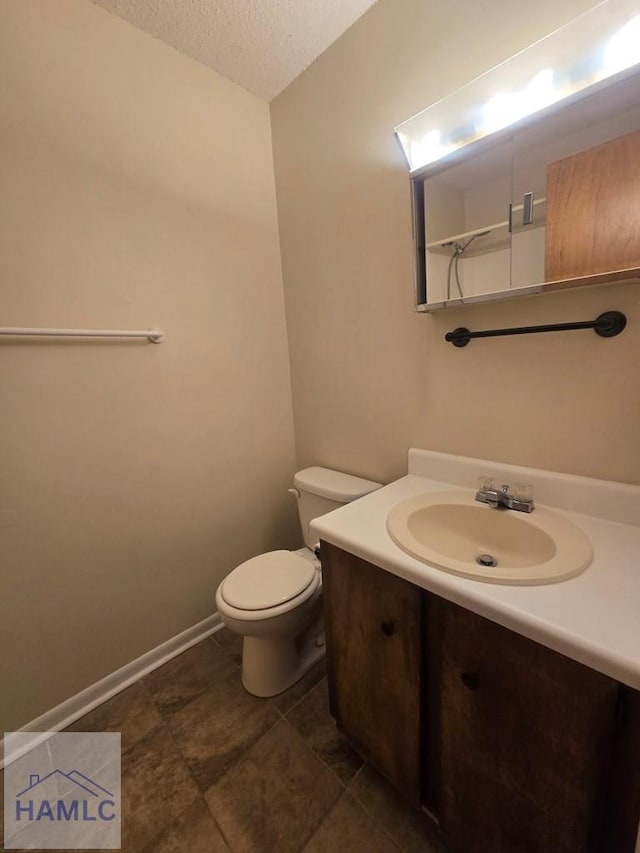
467,237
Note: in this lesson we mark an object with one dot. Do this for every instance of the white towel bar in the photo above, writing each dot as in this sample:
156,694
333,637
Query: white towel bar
154,336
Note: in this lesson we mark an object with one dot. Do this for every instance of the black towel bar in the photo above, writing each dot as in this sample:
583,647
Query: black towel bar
607,325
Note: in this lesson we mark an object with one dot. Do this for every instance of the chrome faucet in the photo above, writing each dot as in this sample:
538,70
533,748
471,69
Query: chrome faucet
502,498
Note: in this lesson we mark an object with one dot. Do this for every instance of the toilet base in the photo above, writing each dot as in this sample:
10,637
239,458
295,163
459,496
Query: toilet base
271,665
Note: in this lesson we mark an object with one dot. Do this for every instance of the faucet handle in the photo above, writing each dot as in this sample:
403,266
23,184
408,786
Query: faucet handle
505,488
523,491
485,483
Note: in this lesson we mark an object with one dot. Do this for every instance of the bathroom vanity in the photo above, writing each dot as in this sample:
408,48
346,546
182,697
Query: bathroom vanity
510,712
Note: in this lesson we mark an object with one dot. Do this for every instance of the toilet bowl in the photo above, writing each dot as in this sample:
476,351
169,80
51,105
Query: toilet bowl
274,600
281,621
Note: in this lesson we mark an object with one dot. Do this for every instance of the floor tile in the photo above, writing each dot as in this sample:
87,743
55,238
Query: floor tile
272,785
131,712
412,830
216,727
186,676
275,797
230,643
313,721
349,829
156,789
285,701
195,831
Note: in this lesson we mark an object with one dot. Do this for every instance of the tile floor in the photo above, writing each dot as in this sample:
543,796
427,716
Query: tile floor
207,768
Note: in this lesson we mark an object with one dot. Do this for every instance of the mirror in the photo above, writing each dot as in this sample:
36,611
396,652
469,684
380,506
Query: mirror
497,222
537,187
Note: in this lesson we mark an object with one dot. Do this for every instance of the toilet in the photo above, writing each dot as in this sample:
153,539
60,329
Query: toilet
274,600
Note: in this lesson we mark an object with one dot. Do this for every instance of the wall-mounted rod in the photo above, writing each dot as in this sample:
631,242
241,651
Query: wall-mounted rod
607,325
154,336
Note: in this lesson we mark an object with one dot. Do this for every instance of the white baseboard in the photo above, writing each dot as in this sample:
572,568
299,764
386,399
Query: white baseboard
77,706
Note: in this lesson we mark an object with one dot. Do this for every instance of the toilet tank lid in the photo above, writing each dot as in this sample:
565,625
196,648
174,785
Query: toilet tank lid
333,484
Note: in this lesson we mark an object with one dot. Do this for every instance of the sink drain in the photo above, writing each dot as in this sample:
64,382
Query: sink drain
486,560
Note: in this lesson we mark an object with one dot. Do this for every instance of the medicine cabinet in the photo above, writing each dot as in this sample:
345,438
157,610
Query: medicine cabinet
550,202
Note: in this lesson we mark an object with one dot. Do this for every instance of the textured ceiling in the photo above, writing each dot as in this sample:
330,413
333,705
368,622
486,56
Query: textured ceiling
261,44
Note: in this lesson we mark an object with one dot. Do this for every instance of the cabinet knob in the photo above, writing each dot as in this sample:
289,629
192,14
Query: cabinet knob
388,628
470,680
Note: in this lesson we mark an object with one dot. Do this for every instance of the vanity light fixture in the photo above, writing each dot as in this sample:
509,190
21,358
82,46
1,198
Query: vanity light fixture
563,66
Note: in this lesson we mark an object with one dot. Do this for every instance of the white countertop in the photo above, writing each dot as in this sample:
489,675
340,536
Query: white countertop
593,618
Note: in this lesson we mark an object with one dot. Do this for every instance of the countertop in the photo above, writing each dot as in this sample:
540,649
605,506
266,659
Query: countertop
593,618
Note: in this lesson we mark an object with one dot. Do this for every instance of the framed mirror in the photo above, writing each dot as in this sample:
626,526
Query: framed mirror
551,199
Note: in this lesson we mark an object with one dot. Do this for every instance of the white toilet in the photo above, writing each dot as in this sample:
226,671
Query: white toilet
274,600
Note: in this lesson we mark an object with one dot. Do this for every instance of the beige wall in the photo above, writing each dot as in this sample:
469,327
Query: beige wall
370,377
136,189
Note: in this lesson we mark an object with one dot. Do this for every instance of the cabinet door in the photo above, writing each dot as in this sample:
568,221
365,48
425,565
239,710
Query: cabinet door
525,740
373,633
593,212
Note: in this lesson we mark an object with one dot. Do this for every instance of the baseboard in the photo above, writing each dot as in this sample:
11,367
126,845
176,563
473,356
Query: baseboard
77,706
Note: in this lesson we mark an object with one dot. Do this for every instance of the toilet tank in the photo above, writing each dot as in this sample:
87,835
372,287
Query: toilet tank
320,490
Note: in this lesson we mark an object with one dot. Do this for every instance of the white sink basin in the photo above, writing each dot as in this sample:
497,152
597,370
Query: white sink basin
452,531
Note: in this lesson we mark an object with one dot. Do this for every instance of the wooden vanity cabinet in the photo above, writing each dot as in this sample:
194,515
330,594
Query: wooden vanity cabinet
512,747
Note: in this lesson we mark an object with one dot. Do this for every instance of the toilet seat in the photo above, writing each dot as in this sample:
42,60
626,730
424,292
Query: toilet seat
269,581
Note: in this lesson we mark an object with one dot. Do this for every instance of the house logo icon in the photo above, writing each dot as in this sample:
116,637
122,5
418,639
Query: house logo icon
61,796
62,791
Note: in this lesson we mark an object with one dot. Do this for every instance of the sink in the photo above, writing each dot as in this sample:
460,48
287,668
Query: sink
452,531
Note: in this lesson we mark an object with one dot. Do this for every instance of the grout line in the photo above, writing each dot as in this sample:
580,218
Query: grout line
307,746
225,840
304,696
165,713
357,773
377,825
228,770
151,845
242,755
435,844
370,814
317,755
181,759
301,699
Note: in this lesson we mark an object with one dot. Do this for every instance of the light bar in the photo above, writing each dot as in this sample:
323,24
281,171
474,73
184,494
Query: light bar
595,46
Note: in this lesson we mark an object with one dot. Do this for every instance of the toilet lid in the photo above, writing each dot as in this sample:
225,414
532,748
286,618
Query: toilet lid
267,581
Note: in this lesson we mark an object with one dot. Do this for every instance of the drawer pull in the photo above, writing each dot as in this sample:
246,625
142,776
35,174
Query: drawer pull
388,628
470,680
